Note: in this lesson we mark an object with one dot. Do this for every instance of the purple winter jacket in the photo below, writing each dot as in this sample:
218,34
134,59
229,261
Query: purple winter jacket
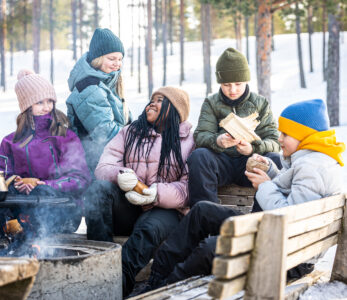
57,160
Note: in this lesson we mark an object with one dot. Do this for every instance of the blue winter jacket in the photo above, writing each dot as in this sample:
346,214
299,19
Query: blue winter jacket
94,109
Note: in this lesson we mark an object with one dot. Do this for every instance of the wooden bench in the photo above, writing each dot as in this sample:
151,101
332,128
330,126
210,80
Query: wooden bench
17,276
258,248
237,197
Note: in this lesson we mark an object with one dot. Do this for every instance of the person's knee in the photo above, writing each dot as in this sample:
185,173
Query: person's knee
199,157
202,208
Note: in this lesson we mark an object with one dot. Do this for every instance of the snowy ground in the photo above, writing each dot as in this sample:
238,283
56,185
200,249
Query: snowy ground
285,90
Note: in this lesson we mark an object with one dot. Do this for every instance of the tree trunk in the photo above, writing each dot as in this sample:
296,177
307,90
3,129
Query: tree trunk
145,32
206,38
333,71
2,43
324,18
74,29
203,39
51,37
263,52
164,38
238,35
139,51
10,33
272,33
118,10
25,25
157,23
96,14
298,32
310,31
171,26
132,39
36,34
247,36
80,6
149,44
182,40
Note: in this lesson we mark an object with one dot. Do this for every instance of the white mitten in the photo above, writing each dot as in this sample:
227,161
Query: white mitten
127,180
150,196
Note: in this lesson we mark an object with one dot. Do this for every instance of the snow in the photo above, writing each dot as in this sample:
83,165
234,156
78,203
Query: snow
284,82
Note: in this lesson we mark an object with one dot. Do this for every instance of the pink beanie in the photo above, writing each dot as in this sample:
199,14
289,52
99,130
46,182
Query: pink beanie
32,88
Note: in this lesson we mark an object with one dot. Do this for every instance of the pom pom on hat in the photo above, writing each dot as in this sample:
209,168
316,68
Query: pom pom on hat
304,118
32,88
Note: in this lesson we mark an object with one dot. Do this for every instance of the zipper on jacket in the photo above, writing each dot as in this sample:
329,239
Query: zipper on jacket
28,159
59,182
55,162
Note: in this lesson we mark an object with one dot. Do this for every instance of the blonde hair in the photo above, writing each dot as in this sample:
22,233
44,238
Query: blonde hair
96,63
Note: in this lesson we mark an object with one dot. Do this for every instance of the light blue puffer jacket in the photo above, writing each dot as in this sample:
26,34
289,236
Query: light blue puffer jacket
94,109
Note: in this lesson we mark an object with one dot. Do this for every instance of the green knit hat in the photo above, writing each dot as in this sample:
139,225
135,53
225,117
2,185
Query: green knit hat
232,66
104,42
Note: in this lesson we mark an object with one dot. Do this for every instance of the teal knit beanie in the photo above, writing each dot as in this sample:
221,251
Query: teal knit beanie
232,66
104,42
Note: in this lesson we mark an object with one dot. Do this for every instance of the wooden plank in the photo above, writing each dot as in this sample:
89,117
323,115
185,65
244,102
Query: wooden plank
298,242
234,189
177,288
229,268
231,246
314,222
241,225
222,289
242,209
339,271
236,200
266,277
15,268
296,288
310,251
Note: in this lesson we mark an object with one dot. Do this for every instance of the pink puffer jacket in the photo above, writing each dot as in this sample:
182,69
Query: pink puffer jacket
173,193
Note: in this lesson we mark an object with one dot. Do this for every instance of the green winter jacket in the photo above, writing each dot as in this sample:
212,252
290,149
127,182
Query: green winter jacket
214,110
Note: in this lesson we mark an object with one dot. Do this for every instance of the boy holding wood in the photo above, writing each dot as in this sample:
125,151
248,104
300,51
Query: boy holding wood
311,160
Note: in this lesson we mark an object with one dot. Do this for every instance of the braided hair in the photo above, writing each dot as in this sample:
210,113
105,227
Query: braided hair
139,134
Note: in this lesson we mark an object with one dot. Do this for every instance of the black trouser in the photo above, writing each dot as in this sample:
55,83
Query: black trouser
190,248
208,170
108,212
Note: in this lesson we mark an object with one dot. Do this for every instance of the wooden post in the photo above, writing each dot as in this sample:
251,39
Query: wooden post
266,276
339,271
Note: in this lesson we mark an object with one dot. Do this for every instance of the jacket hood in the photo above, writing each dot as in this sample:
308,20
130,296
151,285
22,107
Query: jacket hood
83,69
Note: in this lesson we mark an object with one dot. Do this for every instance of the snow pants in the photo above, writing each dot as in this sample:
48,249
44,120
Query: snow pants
108,212
208,170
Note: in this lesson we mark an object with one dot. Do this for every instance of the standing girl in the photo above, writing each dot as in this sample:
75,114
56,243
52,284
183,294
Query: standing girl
96,108
42,147
154,150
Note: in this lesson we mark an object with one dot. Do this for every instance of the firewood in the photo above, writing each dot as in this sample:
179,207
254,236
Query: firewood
241,128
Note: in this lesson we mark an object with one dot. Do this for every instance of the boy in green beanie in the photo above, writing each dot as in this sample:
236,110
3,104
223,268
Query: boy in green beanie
221,159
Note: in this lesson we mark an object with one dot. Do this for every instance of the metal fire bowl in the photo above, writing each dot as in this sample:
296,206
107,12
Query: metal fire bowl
92,271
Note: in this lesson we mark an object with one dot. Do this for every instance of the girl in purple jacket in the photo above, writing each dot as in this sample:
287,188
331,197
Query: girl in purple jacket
42,147
154,150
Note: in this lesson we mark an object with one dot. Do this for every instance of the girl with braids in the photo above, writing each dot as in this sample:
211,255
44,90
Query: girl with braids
42,148
96,107
153,150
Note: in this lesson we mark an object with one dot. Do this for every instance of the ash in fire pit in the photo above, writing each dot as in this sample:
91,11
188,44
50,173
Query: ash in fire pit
78,269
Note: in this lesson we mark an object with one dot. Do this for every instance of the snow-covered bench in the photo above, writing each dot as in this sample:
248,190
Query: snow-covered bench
257,249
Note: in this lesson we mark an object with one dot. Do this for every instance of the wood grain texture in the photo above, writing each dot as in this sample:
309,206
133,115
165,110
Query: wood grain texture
231,246
230,267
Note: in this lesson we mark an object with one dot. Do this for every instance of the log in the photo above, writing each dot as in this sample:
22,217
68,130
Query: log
230,267
339,271
308,252
266,277
222,289
231,246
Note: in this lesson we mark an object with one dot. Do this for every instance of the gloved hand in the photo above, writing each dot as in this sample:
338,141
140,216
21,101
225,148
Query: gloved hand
150,196
127,180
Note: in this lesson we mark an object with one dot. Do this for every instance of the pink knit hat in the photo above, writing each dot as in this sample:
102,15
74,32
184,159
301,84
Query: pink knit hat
32,88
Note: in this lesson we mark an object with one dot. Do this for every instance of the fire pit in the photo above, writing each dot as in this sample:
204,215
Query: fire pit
73,268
